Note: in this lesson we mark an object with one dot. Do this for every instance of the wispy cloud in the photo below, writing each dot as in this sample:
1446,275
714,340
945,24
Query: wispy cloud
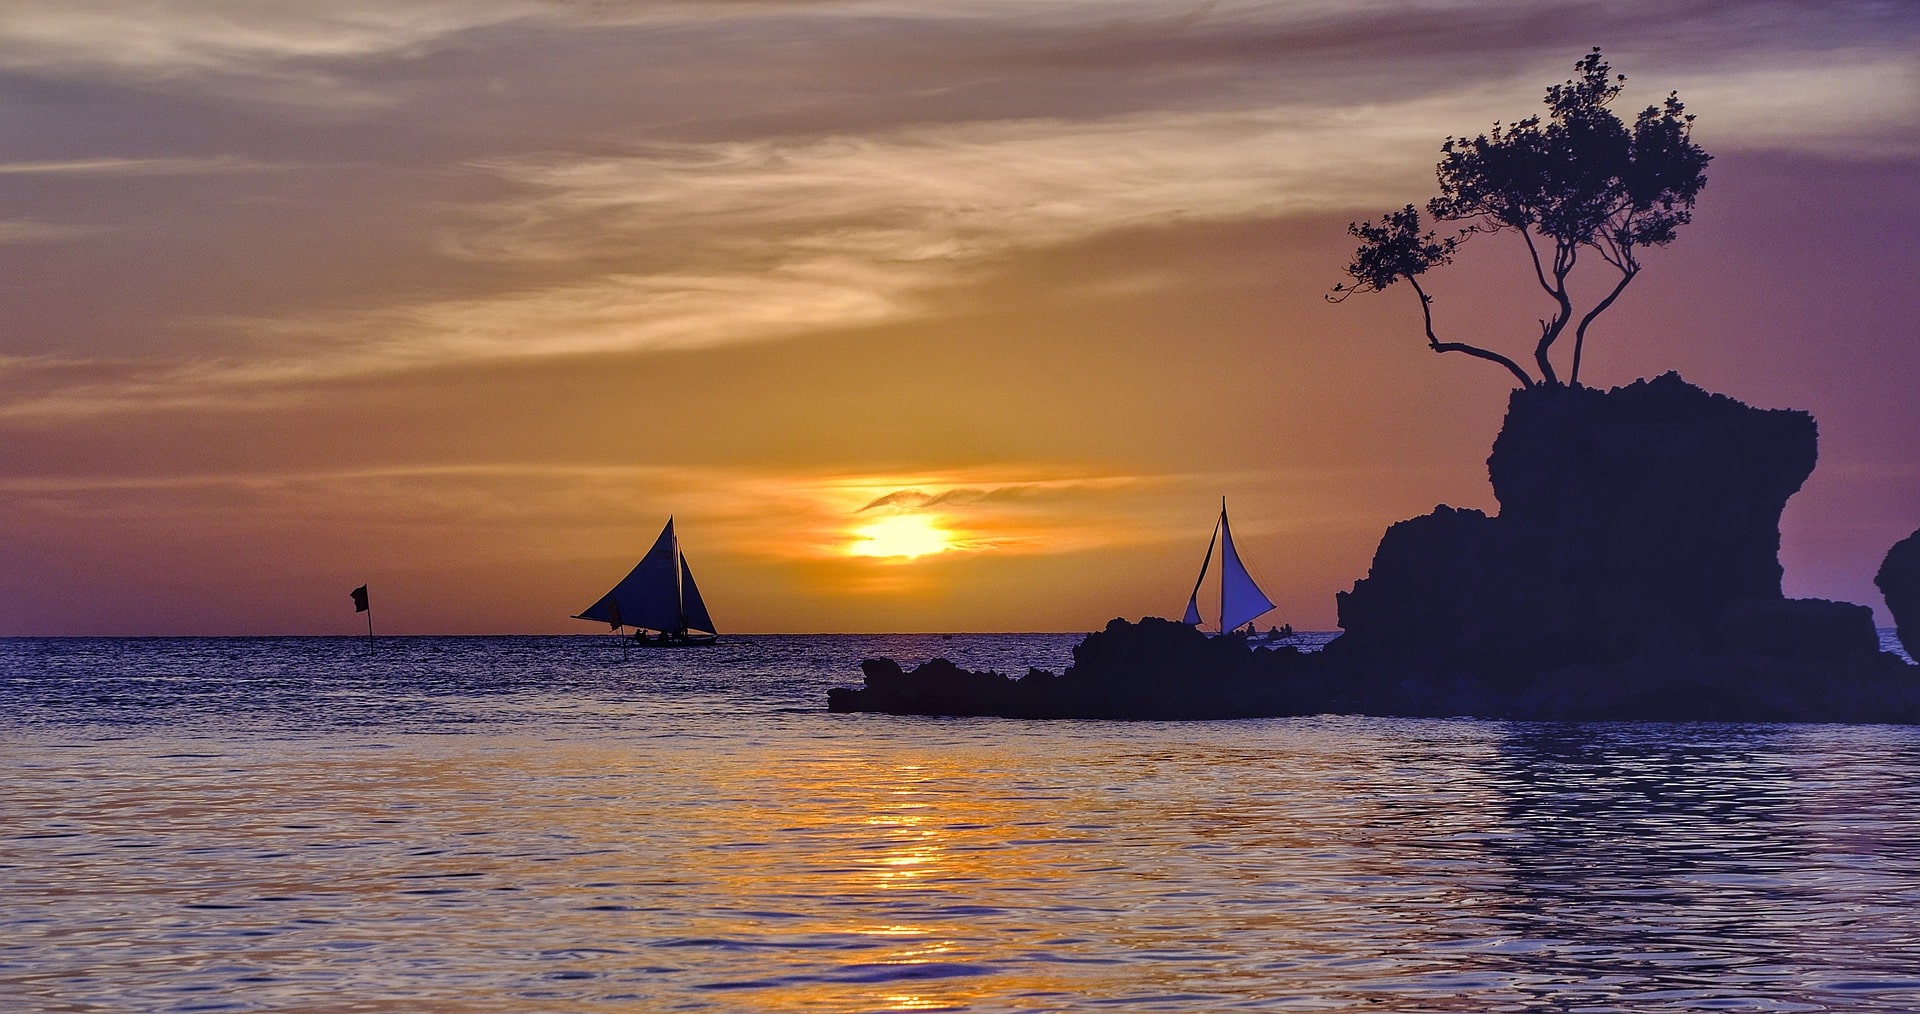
1852,103
157,166
20,231
962,496
228,34
772,239
956,191
775,239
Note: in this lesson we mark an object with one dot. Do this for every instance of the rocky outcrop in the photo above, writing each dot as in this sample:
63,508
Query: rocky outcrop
1632,572
1152,669
1899,581
1632,522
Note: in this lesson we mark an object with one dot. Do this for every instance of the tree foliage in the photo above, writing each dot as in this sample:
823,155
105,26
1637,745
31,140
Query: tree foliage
1576,181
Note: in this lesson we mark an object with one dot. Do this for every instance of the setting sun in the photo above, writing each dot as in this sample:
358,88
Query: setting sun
903,535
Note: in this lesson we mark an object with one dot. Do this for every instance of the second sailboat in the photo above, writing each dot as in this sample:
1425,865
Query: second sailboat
1241,600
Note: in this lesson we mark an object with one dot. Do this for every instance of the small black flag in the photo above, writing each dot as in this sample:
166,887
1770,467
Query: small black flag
613,610
360,599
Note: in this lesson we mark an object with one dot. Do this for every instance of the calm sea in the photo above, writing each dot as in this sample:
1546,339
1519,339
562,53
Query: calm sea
537,824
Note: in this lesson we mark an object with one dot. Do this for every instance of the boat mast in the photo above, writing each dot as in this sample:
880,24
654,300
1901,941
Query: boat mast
1226,535
679,594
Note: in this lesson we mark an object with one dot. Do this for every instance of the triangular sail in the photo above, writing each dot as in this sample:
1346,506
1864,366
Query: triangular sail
648,597
1240,599
693,610
1192,617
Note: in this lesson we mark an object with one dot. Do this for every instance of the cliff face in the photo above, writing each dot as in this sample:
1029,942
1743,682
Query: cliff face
1899,581
1660,497
1641,520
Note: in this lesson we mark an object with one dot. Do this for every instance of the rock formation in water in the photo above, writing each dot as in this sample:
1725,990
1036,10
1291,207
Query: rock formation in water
1899,581
1154,669
1637,523
1632,572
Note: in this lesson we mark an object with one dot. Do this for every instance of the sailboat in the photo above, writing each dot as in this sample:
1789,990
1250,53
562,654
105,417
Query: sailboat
1241,600
658,595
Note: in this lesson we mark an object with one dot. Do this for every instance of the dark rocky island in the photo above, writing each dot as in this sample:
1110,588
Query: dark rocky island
1899,583
1632,573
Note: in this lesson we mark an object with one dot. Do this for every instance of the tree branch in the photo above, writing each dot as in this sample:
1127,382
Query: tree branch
1563,260
1580,333
1534,252
1608,243
1434,343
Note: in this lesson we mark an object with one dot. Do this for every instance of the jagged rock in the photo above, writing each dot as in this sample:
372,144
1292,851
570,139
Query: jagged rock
1161,669
1899,581
937,688
1397,616
1152,669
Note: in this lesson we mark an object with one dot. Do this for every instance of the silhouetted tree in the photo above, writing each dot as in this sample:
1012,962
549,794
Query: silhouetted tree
1579,180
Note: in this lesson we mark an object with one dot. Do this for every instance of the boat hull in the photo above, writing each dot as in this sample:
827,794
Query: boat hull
642,641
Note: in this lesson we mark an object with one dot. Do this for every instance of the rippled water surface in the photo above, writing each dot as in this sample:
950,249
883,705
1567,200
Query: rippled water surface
534,824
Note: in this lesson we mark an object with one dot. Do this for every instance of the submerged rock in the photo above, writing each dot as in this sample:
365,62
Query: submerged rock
1632,572
1899,582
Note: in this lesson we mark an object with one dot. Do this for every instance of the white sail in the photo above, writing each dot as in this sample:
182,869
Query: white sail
1241,599
1192,617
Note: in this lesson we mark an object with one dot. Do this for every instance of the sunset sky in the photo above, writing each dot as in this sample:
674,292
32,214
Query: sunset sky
460,299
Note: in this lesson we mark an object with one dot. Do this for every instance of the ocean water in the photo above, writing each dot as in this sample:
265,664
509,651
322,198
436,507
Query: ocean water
537,824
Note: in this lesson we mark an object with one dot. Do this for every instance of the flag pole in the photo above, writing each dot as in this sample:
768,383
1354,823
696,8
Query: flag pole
362,605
